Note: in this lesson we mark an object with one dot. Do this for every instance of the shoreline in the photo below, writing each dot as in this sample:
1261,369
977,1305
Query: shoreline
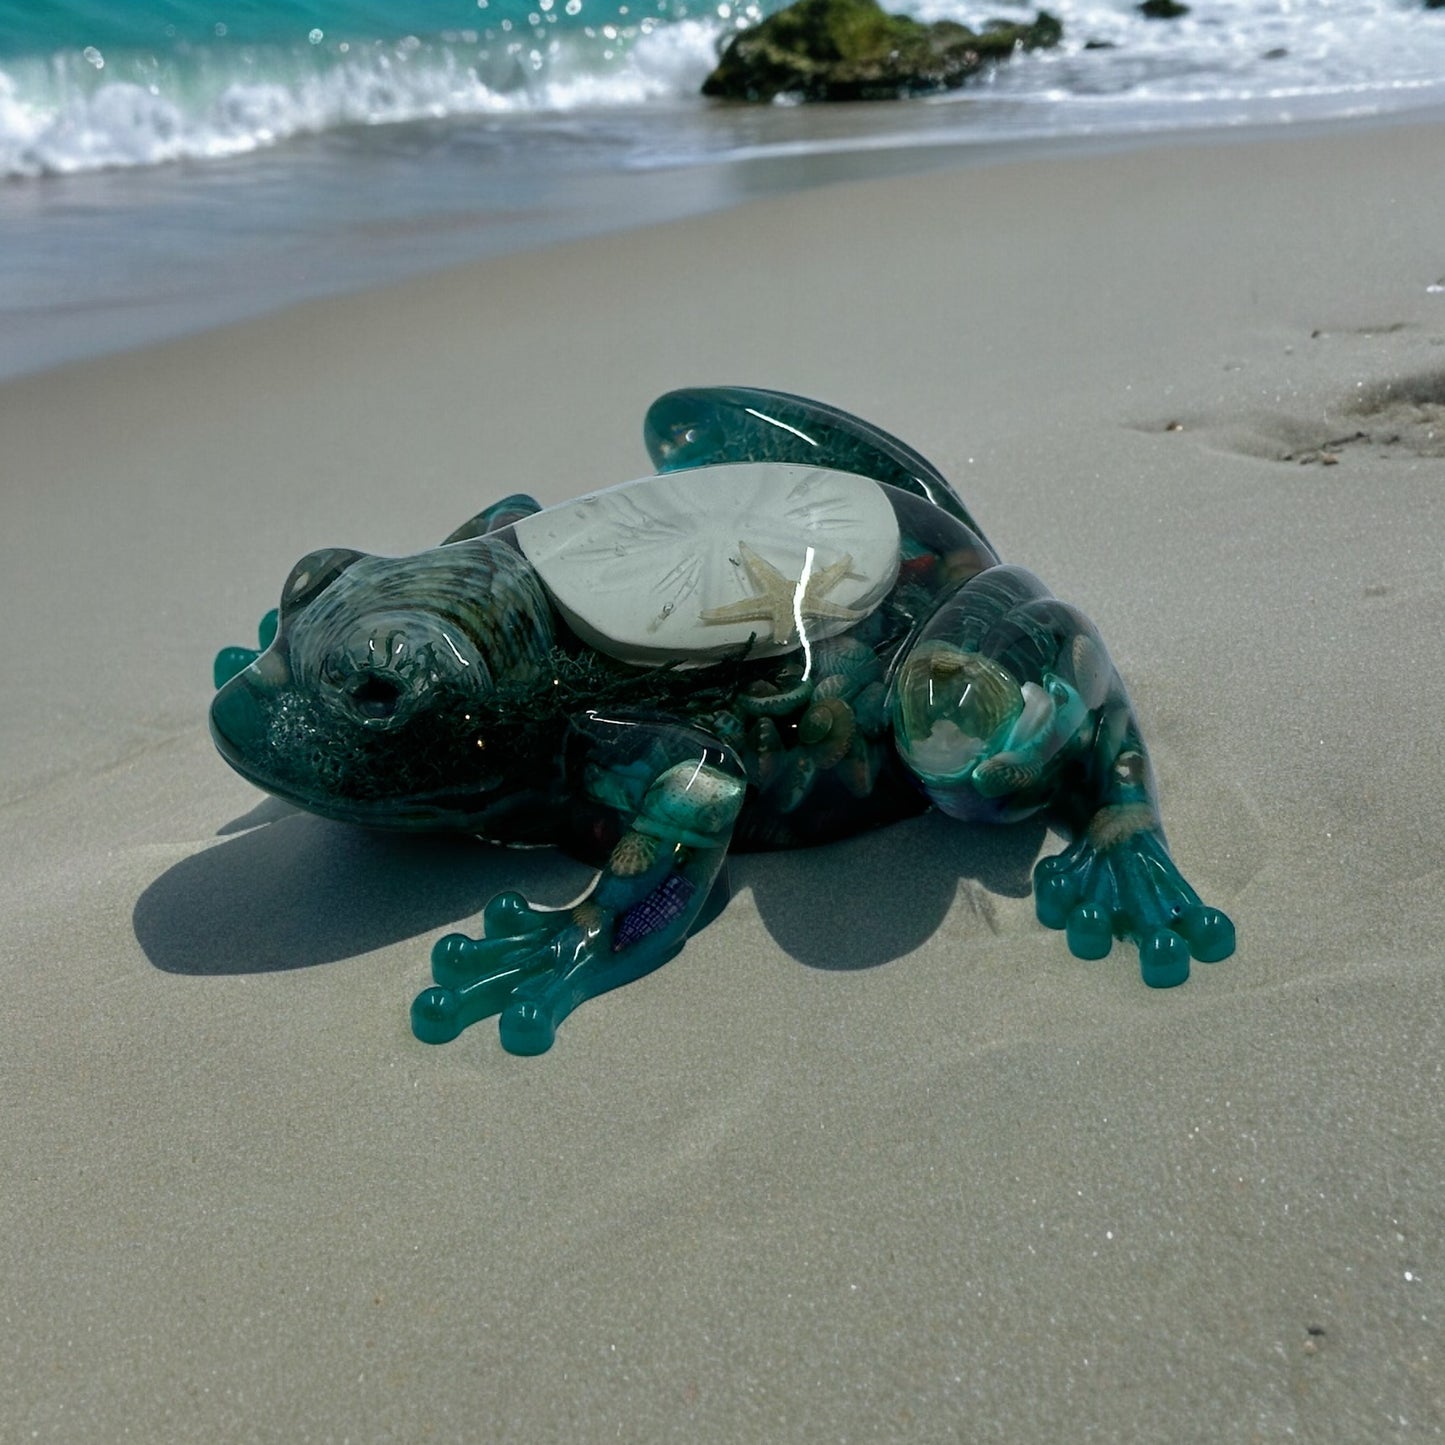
136,246
873,1157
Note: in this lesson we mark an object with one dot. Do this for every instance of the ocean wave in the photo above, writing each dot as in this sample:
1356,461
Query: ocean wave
88,109
78,112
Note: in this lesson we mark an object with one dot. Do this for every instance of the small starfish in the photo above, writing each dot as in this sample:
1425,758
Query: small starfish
782,602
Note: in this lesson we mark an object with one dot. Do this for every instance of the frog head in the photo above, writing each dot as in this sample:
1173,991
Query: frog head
375,702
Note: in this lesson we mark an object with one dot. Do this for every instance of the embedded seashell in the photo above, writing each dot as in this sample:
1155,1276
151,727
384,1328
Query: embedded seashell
950,703
870,710
1006,773
796,780
690,803
1037,714
1093,672
1112,826
728,728
858,771
766,754
918,570
590,917
843,665
763,699
958,566
827,730
635,853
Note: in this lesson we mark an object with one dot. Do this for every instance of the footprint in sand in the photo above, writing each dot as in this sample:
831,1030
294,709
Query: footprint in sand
1393,418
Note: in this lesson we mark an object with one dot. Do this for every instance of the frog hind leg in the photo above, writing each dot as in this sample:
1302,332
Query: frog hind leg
679,797
1008,704
496,517
704,425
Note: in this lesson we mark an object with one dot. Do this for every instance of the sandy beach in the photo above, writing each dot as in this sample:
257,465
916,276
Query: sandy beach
874,1158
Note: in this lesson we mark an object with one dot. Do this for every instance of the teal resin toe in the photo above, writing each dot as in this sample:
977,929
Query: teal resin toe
794,632
233,660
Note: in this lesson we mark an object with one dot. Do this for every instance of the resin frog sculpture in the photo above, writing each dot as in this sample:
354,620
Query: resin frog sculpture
792,633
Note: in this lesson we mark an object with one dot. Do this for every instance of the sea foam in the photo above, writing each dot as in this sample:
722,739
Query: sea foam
78,109
69,113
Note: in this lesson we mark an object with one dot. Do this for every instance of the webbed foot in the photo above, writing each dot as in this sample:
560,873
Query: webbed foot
1118,881
476,977
532,966
231,660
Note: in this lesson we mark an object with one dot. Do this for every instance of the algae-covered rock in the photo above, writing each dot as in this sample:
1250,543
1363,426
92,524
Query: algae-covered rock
855,50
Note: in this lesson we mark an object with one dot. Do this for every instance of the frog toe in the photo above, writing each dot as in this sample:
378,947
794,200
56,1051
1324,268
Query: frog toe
230,661
527,1027
437,1015
1090,931
1163,958
1208,931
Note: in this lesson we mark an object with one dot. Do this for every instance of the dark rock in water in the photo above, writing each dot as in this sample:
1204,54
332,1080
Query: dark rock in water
855,50
1162,9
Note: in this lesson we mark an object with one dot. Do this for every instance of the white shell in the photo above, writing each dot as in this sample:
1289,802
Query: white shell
635,569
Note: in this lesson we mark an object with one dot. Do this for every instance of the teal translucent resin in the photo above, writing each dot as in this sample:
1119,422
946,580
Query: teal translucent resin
847,650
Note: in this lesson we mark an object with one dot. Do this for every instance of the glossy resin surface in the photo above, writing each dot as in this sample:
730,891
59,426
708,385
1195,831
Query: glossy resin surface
809,638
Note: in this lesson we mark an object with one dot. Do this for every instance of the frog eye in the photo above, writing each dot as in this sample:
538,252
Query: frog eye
313,574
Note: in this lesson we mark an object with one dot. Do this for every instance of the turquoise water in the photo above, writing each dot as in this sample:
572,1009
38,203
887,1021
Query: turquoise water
29,28
87,85
171,164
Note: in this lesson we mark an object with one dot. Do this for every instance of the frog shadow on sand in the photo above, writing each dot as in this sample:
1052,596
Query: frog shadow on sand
286,890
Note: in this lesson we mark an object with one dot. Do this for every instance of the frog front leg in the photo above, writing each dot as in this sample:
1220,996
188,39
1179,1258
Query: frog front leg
676,794
1008,704
232,660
